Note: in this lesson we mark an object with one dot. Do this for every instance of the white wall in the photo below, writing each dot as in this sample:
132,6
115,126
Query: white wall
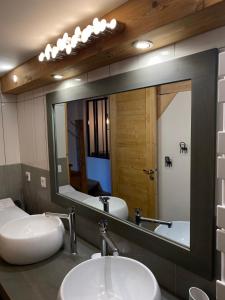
33,131
74,112
60,131
174,126
9,140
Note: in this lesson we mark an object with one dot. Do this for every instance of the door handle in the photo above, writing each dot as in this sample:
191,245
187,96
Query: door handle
150,172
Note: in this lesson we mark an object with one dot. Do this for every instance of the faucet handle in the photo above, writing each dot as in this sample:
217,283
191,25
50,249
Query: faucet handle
104,199
103,224
137,211
72,209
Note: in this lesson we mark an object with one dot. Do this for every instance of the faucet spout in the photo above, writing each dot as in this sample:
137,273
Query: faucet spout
71,217
105,201
139,219
107,242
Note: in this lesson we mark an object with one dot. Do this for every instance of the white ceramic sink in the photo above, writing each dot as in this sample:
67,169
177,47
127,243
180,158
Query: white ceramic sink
30,239
117,206
179,232
110,278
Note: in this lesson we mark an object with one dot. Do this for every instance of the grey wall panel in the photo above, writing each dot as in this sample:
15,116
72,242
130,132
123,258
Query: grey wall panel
11,181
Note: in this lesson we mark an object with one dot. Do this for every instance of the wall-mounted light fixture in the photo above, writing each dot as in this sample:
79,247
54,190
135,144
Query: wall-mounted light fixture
70,45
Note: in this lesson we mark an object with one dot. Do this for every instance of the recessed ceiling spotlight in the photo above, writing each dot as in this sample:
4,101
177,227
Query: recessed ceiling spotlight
57,76
142,44
15,78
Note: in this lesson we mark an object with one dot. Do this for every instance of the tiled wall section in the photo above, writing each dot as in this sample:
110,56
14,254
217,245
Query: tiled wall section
34,156
37,199
10,182
9,141
220,286
10,169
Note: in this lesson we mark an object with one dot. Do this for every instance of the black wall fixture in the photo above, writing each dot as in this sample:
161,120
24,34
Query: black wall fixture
183,147
168,162
201,69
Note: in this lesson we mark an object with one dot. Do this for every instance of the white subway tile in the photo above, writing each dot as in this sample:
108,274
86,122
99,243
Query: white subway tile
221,64
156,57
202,42
8,98
124,66
220,120
51,87
221,142
38,92
221,167
220,290
2,149
20,97
79,80
40,132
220,216
98,74
221,90
11,137
220,240
26,132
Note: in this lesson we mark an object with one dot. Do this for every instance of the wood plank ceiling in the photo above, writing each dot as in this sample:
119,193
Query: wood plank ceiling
162,21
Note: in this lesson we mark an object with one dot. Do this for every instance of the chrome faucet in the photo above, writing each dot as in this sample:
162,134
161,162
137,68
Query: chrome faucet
72,227
105,201
139,219
106,240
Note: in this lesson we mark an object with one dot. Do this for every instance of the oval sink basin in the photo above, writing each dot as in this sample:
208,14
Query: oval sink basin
110,278
179,232
30,239
117,206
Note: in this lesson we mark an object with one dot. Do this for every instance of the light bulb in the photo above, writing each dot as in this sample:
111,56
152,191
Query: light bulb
68,49
95,21
55,51
48,50
77,31
84,36
74,41
58,43
47,55
103,25
96,26
113,23
65,36
41,56
89,30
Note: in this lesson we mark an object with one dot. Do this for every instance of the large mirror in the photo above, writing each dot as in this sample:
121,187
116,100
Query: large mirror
138,149
129,154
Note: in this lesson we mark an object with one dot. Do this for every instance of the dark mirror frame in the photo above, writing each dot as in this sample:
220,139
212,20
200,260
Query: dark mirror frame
201,68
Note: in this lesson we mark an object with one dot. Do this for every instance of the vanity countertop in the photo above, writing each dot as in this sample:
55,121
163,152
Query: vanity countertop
41,281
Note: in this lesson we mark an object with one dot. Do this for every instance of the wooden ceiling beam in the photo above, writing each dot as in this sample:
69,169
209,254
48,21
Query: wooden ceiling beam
162,21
